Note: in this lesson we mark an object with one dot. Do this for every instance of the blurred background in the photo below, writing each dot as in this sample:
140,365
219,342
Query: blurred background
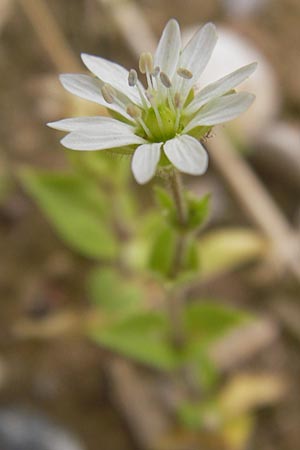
59,390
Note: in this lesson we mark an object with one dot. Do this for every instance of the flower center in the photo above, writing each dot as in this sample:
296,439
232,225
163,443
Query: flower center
161,129
158,118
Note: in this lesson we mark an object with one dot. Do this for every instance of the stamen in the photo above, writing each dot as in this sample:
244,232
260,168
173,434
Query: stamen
154,76
165,80
108,93
151,99
146,67
178,106
184,73
142,96
177,119
132,78
146,63
111,96
158,118
136,114
177,100
134,111
171,101
155,71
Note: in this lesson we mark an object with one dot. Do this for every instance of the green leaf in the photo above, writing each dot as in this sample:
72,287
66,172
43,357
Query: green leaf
205,369
198,210
76,208
207,322
163,249
192,257
163,198
195,415
112,168
111,292
166,204
143,337
226,249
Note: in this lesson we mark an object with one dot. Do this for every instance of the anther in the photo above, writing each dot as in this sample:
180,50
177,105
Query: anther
132,78
184,73
155,71
177,100
134,111
108,93
165,80
146,63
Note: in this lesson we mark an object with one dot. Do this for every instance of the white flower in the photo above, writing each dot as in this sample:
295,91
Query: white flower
162,124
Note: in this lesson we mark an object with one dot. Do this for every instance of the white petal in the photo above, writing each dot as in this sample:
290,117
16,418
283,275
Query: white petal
197,53
105,141
220,87
144,162
221,110
89,88
112,73
94,125
187,154
168,50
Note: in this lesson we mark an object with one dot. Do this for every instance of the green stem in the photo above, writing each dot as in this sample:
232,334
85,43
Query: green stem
175,296
177,192
176,188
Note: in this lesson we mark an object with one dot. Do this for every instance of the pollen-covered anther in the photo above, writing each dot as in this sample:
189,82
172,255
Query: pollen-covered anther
132,78
165,80
108,93
146,63
134,111
184,73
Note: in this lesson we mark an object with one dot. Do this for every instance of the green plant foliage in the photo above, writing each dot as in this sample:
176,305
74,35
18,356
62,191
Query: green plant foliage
143,337
111,292
226,249
205,322
194,415
163,248
166,204
191,263
205,369
198,210
76,208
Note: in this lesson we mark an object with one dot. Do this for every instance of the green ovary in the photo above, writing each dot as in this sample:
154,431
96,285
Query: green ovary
167,129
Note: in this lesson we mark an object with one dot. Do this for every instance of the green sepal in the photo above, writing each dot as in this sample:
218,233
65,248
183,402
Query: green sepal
200,132
163,251
198,210
166,204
